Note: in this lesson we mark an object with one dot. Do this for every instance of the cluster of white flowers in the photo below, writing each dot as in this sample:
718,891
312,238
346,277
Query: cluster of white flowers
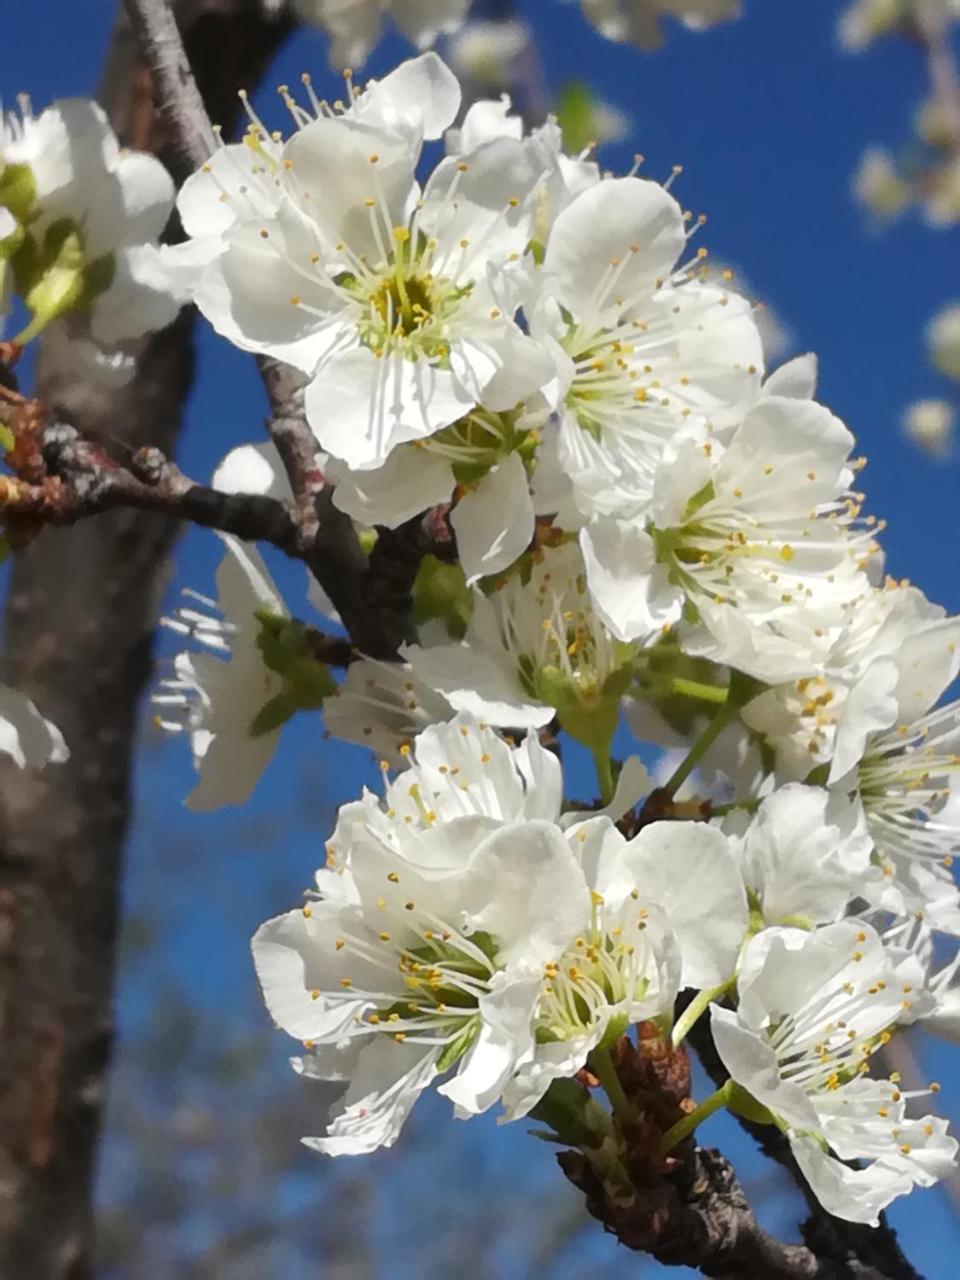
649,530
79,222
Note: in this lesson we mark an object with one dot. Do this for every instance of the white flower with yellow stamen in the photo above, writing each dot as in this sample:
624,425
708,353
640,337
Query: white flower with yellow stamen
812,1009
533,648
383,706
437,910
824,719
644,936
399,304
643,348
756,546
216,696
89,215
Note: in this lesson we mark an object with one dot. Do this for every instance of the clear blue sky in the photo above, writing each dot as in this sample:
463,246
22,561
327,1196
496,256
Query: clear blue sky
768,119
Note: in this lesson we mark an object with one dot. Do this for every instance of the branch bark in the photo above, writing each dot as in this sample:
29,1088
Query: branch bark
80,616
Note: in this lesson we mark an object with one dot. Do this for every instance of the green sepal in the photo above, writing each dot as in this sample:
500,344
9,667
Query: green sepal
744,1104
567,1108
440,591
18,191
458,1046
7,440
275,713
285,650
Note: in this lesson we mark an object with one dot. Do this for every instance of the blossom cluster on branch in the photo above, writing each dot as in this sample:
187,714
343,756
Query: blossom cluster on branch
634,529
646,529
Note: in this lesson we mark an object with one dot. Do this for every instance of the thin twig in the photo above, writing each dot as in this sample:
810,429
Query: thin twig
81,479
178,97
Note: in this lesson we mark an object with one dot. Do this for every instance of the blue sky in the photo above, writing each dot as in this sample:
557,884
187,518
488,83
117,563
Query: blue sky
768,119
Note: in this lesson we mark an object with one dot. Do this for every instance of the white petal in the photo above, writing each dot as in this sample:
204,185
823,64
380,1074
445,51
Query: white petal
423,91
230,769
858,1195
474,681
130,206
753,1064
409,482
505,1037
387,1081
25,736
710,922
796,379
360,408
253,468
870,706
143,297
629,220
631,592
538,898
494,523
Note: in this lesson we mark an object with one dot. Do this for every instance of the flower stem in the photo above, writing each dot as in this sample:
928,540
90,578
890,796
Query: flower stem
601,1064
697,689
748,806
698,1006
714,728
601,762
686,1125
661,682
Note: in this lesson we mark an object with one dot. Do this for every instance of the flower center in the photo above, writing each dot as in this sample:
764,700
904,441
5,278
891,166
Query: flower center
906,779
605,968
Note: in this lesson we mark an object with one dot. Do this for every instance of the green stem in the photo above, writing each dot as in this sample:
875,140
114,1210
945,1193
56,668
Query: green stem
698,1006
601,762
686,1125
697,689
748,806
715,727
662,682
601,1064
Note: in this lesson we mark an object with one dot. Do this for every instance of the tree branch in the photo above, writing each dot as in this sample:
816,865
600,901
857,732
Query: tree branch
179,98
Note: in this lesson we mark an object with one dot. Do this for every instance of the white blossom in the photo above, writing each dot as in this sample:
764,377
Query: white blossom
93,212
812,1009
437,909
383,706
533,647
642,348
398,303
799,863
216,696
755,545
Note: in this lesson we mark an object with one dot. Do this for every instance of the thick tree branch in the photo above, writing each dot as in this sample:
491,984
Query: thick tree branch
82,609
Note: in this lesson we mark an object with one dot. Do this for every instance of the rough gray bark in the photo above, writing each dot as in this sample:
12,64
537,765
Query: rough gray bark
80,615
